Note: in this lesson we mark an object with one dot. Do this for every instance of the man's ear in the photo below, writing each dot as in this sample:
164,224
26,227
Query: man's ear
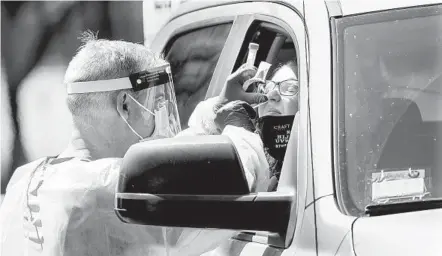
122,106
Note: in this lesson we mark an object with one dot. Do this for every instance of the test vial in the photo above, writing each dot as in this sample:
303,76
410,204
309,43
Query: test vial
253,49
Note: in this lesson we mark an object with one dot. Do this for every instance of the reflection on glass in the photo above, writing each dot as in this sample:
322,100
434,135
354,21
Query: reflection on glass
391,115
193,57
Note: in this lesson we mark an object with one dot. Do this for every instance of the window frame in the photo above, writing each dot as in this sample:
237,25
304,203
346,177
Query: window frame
267,238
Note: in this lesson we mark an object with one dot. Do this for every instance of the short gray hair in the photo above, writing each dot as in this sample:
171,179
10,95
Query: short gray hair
100,59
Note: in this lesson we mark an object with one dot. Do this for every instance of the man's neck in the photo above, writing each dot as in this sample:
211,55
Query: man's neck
77,147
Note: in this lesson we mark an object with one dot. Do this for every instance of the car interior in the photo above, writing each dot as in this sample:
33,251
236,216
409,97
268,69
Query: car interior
400,139
412,143
400,133
275,44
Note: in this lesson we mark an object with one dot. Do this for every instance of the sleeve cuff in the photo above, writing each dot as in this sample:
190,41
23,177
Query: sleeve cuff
202,120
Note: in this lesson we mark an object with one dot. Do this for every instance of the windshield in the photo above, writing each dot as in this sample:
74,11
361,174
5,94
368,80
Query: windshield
388,98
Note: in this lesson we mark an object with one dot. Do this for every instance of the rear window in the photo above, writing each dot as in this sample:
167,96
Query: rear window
193,57
388,92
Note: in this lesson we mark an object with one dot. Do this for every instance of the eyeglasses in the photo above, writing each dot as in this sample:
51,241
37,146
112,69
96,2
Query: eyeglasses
289,87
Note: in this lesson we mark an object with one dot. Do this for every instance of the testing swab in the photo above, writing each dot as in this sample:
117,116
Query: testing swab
260,104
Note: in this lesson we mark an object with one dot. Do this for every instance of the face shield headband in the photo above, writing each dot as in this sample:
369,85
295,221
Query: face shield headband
160,98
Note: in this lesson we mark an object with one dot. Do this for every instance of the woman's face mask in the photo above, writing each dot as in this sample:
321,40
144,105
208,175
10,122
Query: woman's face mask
277,114
275,134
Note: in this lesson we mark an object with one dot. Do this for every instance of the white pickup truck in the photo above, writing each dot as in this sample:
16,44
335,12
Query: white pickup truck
364,176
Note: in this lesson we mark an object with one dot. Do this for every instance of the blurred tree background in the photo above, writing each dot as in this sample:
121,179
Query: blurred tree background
38,39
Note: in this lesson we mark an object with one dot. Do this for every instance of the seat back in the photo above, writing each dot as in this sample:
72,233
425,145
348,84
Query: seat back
404,146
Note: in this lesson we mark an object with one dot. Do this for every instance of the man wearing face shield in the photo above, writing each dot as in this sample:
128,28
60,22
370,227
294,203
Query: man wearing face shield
119,94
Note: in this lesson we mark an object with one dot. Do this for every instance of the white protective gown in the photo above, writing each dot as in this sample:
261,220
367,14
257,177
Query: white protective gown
67,207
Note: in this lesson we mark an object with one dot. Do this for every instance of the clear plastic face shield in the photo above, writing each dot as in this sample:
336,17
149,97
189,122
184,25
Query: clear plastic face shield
159,104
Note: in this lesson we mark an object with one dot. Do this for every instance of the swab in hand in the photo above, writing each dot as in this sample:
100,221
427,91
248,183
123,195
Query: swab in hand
260,104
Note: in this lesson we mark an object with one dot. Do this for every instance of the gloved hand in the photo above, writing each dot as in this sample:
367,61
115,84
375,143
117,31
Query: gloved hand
233,89
237,113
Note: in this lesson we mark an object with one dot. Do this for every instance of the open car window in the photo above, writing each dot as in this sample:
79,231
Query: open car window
276,48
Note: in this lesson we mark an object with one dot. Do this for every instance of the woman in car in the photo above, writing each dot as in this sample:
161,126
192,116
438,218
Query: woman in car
276,116
272,121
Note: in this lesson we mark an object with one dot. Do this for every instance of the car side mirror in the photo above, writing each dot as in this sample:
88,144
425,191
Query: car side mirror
194,181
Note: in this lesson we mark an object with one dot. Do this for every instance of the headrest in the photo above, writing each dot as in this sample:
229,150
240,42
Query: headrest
401,126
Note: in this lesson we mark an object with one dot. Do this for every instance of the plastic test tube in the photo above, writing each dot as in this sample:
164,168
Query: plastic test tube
253,49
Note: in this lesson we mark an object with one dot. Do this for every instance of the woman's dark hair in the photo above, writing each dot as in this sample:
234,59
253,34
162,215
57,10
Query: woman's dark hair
275,68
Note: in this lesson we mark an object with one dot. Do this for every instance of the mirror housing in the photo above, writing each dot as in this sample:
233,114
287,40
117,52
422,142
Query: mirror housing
194,181
188,165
